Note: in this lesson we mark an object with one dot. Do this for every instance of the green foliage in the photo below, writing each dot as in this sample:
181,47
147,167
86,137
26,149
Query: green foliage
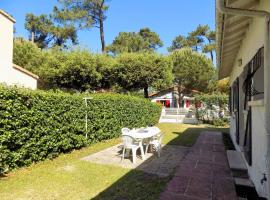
143,41
221,86
192,69
213,99
85,14
179,42
43,31
75,69
127,42
201,39
143,70
151,38
27,55
72,70
214,109
36,125
82,70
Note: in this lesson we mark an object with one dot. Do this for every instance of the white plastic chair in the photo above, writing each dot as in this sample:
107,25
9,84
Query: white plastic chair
156,129
130,143
125,130
147,141
156,142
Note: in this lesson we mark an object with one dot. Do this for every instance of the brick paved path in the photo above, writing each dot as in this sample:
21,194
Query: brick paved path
204,173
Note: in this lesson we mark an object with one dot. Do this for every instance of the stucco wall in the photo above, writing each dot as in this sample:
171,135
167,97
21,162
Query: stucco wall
23,80
253,41
8,74
6,47
259,148
168,96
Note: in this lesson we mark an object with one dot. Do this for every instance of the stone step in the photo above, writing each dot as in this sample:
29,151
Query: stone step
245,189
243,182
237,164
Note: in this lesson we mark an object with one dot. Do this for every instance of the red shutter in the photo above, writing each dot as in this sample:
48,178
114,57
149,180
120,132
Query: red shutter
168,103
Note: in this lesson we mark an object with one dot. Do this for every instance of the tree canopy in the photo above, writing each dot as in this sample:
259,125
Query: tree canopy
192,69
84,71
85,14
202,39
43,31
151,38
143,70
143,41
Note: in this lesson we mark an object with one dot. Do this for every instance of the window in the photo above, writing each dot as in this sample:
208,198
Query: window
254,83
253,88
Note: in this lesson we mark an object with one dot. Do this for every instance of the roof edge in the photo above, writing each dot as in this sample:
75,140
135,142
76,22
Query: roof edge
25,71
7,16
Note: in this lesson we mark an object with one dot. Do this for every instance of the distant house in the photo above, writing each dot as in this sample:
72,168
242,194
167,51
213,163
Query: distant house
169,98
10,73
243,55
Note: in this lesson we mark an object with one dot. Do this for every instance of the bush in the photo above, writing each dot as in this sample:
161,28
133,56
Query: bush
35,125
81,70
213,109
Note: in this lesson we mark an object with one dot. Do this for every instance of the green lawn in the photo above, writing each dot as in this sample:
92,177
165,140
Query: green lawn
67,177
184,134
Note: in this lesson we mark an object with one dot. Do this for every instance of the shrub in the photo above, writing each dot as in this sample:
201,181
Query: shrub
213,110
36,125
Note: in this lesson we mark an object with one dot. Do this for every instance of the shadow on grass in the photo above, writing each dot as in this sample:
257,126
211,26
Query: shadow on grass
139,185
189,136
3,176
134,186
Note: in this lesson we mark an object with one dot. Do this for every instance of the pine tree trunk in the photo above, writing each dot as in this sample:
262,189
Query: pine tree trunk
32,37
180,95
145,89
212,56
102,38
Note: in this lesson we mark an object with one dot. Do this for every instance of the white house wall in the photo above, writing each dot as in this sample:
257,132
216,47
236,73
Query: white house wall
21,79
166,96
8,74
259,148
253,41
6,47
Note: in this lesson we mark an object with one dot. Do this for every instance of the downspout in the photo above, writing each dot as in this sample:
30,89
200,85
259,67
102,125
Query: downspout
266,15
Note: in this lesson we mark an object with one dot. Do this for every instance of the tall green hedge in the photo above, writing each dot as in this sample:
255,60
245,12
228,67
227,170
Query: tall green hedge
35,125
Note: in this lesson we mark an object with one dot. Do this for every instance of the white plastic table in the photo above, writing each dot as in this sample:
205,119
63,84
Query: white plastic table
141,134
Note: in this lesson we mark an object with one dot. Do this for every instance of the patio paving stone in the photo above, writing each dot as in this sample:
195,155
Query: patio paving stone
204,173
171,157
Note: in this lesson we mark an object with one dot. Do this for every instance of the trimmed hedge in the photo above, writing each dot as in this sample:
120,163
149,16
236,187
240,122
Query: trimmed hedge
36,125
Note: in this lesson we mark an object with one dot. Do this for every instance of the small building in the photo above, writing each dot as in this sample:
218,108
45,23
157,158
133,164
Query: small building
243,55
10,73
169,98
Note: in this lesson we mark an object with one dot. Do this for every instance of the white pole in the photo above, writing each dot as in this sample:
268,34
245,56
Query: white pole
86,116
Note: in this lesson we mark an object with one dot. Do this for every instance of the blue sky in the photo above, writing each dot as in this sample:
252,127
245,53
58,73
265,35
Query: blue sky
168,18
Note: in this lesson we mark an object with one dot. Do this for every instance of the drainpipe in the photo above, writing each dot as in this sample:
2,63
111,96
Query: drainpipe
266,15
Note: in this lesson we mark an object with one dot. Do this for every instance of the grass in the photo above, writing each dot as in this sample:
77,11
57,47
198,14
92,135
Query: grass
184,134
67,177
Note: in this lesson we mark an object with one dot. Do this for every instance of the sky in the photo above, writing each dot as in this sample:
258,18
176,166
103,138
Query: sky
168,18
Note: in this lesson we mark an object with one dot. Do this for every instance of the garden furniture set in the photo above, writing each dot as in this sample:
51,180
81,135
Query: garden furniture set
138,139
